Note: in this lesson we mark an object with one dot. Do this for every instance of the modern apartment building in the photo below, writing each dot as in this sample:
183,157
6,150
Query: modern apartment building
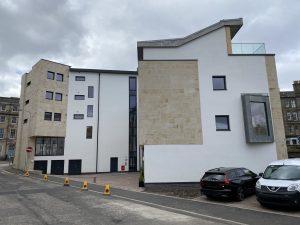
75,120
290,101
9,112
205,102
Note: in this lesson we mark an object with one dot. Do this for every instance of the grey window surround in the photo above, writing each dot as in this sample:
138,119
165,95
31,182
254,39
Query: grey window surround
78,116
219,83
79,78
251,135
79,97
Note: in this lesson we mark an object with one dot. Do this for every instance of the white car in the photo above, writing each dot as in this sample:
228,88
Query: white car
280,183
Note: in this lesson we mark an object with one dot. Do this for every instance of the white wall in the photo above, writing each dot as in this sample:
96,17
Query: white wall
244,74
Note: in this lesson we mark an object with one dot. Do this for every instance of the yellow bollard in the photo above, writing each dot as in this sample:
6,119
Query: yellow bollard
45,178
85,185
66,181
26,174
106,190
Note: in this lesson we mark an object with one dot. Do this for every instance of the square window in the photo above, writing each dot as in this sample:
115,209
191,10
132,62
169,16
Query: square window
2,119
48,116
49,95
89,132
90,91
58,96
222,123
14,119
59,77
90,111
78,116
57,116
79,97
219,83
50,75
79,78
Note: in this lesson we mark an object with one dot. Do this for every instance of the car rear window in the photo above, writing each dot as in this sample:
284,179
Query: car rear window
214,176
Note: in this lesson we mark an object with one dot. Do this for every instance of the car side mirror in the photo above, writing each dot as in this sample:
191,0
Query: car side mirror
260,174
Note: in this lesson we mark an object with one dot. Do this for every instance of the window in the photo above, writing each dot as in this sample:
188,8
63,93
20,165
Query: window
12,134
50,75
49,95
25,121
79,97
89,111
293,103
79,78
292,129
59,77
48,116
295,116
89,132
2,107
49,146
90,91
2,119
14,108
14,119
57,116
132,124
257,118
219,83
26,102
28,83
222,123
287,103
1,133
78,116
132,101
58,96
289,116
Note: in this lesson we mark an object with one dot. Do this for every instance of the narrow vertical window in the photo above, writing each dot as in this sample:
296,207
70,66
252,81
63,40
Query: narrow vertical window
132,124
89,132
90,91
90,111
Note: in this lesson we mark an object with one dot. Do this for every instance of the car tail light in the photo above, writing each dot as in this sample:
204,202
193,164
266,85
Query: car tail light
226,181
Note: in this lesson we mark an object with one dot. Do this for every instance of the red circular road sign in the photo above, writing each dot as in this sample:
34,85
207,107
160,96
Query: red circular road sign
29,149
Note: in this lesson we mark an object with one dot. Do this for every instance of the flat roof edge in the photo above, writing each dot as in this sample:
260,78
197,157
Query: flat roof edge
103,71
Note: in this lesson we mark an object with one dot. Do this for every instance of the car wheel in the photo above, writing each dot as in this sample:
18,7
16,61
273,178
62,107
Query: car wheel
240,194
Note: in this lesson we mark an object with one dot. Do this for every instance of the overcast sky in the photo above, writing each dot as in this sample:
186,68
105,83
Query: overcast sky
103,33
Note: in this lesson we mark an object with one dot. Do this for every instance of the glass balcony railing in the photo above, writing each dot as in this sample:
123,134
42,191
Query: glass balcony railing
248,48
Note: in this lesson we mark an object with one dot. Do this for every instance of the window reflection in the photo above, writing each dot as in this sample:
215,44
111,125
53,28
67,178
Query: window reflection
259,118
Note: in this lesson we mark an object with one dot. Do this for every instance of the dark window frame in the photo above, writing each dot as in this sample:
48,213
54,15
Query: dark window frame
228,122
49,146
58,94
89,132
90,91
78,116
76,97
79,78
49,92
55,118
47,115
52,77
59,75
224,83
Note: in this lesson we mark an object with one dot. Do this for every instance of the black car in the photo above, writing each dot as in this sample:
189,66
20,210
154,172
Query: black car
228,182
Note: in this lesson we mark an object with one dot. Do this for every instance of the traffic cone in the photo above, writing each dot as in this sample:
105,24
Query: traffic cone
26,174
107,190
66,181
45,178
85,185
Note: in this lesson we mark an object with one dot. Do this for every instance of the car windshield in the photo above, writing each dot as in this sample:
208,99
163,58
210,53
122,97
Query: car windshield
282,172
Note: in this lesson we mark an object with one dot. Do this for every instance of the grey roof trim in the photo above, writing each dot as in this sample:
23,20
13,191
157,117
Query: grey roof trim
235,25
103,71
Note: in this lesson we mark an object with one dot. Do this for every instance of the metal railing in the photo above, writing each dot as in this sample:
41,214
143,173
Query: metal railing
248,48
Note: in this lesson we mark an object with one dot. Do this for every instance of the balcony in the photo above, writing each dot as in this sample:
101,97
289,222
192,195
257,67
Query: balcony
248,48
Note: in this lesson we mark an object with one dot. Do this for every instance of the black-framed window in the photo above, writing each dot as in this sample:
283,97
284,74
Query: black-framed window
1,133
14,119
89,132
48,116
79,97
89,111
57,116
49,95
59,77
78,116
132,124
222,123
2,119
90,91
58,96
50,75
49,146
219,83
79,78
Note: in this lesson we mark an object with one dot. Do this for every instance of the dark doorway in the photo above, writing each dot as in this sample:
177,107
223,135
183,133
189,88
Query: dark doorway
114,164
75,167
57,167
41,165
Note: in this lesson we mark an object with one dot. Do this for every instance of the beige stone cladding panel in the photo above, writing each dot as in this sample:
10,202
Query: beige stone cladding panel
276,108
169,103
40,105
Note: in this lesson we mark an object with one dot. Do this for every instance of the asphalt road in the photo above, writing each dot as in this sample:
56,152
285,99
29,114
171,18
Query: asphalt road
32,201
